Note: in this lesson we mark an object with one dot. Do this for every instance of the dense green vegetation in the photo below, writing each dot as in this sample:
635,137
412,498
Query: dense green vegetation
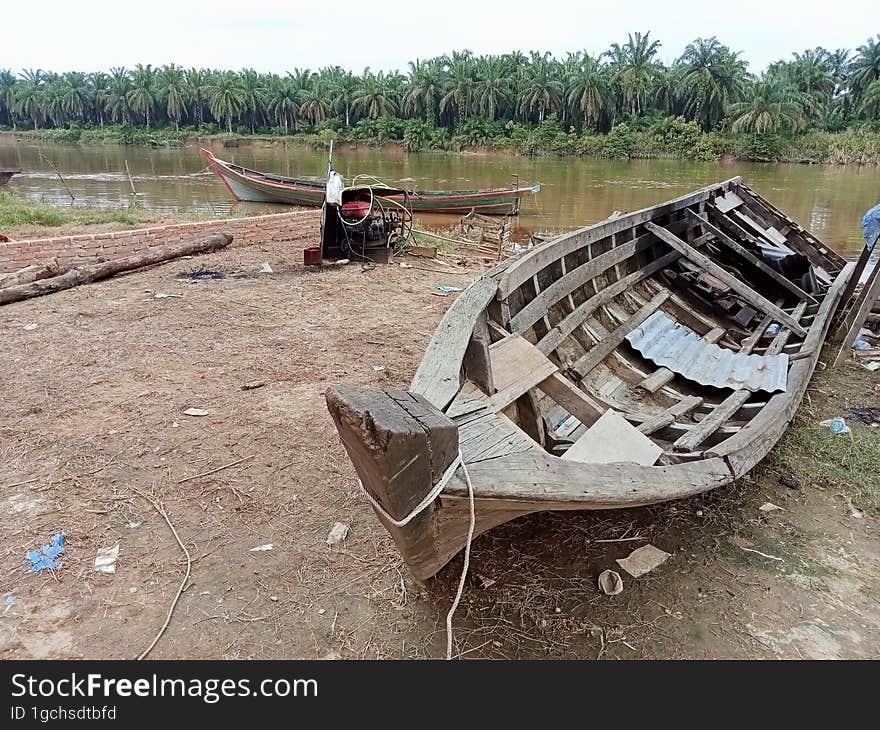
818,106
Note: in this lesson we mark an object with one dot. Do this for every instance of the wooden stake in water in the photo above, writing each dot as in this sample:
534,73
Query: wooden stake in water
130,181
60,177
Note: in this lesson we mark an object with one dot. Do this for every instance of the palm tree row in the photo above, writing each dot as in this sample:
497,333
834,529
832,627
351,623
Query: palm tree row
708,83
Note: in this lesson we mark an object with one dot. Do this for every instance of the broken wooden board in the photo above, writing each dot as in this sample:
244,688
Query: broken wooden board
740,287
613,440
517,367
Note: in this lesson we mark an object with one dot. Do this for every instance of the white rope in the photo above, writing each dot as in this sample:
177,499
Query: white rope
467,559
421,506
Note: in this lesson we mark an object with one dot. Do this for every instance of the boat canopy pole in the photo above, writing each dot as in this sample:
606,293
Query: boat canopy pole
330,160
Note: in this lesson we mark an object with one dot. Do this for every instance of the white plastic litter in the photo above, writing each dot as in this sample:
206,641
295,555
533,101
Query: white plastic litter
261,548
195,412
338,533
105,560
266,269
610,582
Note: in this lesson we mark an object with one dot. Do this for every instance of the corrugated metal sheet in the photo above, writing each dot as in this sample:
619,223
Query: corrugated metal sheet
671,345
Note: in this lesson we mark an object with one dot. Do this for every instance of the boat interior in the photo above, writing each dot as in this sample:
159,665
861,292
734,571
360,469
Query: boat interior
649,339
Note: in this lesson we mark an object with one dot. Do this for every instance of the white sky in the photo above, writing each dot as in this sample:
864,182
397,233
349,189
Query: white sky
277,36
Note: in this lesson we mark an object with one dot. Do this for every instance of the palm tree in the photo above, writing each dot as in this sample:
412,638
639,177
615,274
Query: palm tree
541,90
769,107
226,98
7,95
283,101
196,82
711,78
75,94
374,98
173,91
51,100
312,102
142,97
587,89
340,86
28,101
632,66
458,88
864,70
253,95
99,91
119,89
424,90
492,89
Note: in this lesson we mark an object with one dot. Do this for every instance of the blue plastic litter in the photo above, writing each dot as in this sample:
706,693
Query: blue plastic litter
46,557
871,226
448,289
836,425
861,345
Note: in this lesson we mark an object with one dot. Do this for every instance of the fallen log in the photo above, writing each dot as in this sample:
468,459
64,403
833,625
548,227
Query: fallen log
30,273
88,273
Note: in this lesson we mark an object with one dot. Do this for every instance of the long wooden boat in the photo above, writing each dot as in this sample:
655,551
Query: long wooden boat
646,358
260,187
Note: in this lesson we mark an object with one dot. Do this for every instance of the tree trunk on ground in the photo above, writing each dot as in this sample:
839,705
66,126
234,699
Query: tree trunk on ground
88,273
30,273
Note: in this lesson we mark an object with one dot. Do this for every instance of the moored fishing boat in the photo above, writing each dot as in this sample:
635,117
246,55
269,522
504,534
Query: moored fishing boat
260,187
646,358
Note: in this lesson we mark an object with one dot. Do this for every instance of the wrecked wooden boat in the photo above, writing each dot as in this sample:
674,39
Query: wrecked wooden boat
646,358
260,187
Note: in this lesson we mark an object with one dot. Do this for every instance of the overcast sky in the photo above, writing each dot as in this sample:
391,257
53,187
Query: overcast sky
278,36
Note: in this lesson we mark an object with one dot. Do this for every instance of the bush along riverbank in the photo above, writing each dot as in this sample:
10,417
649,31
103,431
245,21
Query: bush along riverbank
665,137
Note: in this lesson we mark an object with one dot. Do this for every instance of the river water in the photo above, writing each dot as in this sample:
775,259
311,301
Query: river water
827,199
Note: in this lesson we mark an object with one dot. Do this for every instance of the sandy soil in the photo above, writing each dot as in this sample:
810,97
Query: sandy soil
92,422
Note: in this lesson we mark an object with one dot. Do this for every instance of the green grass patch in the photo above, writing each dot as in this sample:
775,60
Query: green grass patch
17,213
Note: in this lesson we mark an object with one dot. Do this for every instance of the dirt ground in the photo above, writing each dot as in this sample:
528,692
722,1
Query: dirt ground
92,422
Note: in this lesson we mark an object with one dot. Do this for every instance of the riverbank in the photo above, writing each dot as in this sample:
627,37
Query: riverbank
94,425
22,219
667,138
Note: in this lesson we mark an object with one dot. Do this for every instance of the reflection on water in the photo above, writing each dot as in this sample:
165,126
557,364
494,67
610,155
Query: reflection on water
829,200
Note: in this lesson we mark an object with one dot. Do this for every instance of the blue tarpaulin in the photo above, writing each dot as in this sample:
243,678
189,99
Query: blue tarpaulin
871,226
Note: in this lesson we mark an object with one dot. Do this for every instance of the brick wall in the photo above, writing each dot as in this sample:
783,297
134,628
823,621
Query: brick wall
90,248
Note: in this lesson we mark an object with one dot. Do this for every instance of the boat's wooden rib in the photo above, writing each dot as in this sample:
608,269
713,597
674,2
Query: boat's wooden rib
532,355
604,348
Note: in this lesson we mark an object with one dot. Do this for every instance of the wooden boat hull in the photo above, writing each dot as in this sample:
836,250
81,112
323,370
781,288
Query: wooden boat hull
256,187
546,333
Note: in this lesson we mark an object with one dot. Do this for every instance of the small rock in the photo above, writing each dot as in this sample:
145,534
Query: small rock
787,480
30,327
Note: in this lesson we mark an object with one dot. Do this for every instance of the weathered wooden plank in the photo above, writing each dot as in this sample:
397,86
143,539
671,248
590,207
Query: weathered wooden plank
608,344
738,286
575,278
728,202
663,376
746,448
723,238
438,377
571,398
667,418
862,308
517,366
522,269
